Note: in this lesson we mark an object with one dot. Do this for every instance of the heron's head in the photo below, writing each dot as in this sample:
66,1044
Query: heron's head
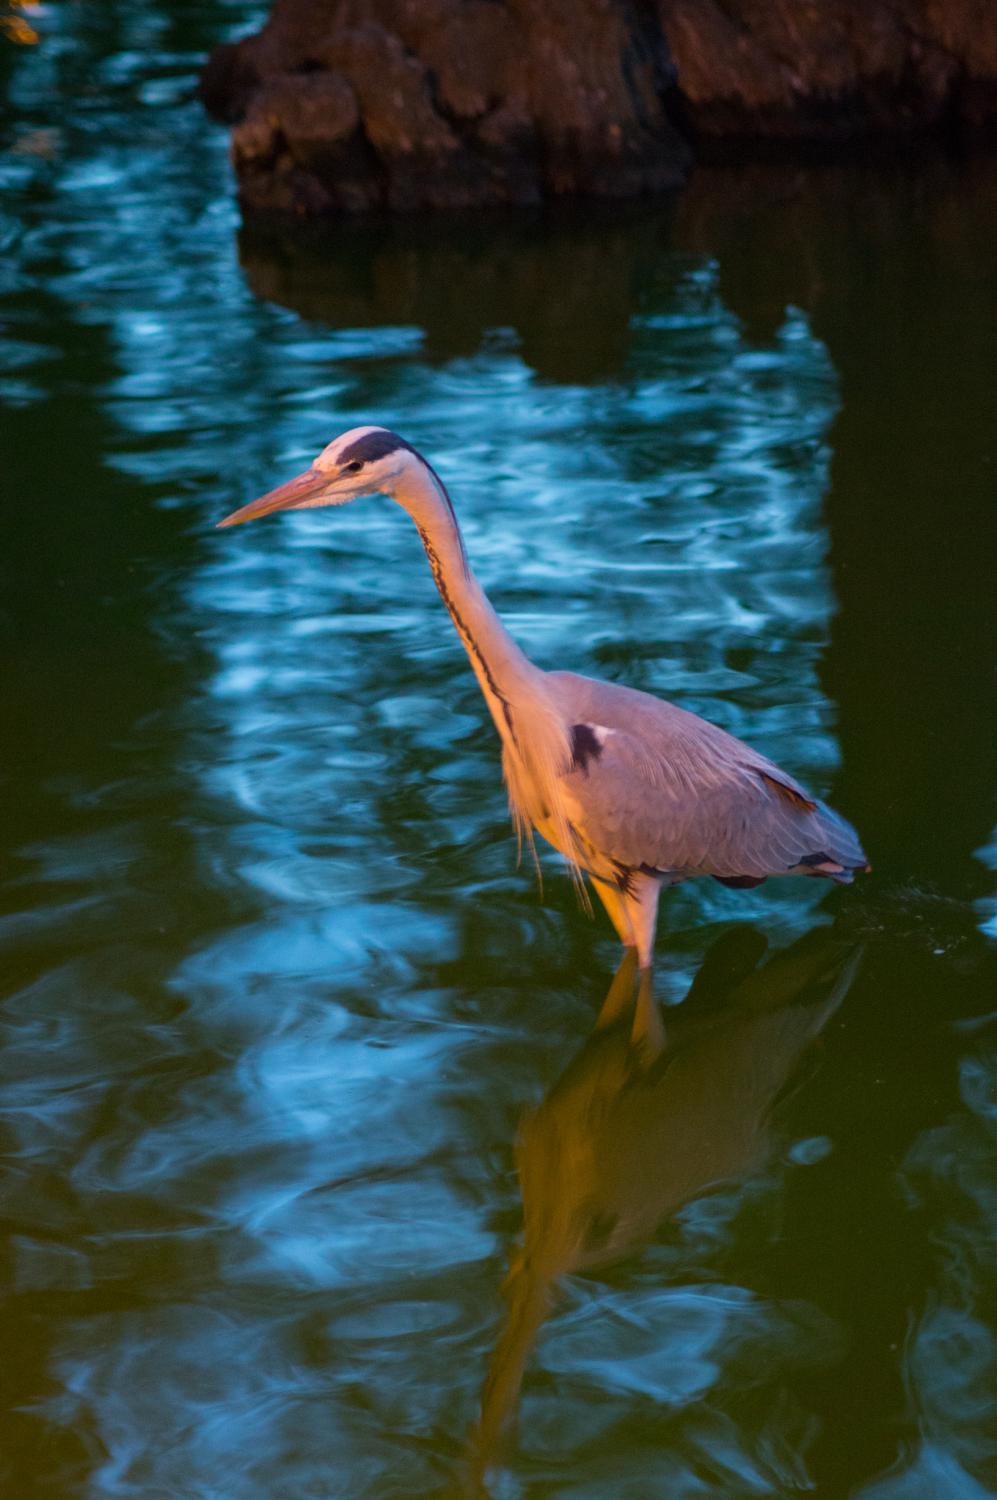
363,461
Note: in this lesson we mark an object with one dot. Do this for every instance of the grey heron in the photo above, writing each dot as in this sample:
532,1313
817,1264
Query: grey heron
635,792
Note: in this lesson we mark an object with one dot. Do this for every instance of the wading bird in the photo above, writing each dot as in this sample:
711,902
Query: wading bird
635,792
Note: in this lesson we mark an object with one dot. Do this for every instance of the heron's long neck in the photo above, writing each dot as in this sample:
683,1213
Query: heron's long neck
502,669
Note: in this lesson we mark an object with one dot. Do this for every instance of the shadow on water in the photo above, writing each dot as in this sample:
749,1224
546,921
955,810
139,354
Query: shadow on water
564,284
630,1133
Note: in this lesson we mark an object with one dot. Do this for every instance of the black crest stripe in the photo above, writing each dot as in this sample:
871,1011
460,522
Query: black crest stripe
371,446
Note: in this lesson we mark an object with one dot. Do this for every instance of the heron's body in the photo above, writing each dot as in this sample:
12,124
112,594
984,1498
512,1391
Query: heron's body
634,791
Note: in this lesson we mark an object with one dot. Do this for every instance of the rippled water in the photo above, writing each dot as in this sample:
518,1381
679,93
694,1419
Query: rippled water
279,1004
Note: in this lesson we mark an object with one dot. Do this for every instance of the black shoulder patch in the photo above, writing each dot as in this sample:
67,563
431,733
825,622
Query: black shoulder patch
740,882
584,747
373,445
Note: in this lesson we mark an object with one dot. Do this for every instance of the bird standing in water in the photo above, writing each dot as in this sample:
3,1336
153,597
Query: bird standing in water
634,792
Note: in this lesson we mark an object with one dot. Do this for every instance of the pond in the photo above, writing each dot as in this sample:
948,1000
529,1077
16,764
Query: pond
302,1103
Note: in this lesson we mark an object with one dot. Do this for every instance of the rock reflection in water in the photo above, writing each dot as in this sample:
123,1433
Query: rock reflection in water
566,286
641,1123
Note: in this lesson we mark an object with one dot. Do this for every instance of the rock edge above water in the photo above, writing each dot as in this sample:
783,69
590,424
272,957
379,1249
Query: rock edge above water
344,106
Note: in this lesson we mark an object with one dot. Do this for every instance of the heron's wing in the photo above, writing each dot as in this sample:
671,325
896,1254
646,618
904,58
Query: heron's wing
654,786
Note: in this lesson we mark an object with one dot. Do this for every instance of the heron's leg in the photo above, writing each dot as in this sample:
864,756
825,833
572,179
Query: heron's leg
612,900
621,991
640,903
642,908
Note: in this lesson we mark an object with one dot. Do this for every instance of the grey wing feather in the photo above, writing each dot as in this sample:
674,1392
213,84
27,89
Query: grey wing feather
665,789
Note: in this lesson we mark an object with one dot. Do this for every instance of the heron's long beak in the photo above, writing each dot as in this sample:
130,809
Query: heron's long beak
304,489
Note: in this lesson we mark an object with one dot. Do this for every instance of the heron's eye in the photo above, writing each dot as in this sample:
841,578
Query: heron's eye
353,468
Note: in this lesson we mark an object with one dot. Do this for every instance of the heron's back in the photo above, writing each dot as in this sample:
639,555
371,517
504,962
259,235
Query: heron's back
654,788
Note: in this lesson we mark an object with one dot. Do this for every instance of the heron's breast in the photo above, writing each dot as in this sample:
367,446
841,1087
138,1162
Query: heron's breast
569,838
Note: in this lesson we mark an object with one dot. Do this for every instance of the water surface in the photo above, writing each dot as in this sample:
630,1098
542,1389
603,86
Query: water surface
276,994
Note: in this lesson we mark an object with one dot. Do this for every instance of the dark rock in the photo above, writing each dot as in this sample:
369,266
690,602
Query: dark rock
298,142
458,103
346,105
834,72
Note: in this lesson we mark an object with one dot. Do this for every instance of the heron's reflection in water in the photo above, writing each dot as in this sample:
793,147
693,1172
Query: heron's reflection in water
645,1118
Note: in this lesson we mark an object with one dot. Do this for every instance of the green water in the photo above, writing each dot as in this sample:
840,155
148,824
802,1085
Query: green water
276,996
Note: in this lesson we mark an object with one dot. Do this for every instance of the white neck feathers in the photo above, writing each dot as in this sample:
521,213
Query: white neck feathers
535,740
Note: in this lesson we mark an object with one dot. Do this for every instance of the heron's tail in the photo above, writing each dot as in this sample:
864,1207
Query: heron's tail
838,855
